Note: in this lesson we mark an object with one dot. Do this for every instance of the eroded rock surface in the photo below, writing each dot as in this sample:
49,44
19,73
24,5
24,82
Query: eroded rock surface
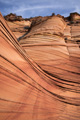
40,74
19,28
17,24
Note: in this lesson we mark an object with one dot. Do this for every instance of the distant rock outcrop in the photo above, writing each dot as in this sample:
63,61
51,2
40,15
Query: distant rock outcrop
13,17
73,17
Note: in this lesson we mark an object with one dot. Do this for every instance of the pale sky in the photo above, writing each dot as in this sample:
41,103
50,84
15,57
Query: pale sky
31,8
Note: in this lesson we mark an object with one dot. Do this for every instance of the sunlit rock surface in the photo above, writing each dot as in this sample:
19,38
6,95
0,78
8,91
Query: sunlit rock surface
40,74
17,24
19,28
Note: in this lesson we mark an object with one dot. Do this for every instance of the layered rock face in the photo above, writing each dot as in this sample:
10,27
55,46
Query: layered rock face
19,28
40,74
17,24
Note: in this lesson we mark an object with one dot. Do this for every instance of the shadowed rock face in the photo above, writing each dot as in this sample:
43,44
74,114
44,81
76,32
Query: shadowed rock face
73,16
38,20
40,74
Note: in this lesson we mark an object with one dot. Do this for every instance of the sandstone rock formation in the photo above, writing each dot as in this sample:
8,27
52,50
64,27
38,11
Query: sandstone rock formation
40,74
37,20
13,17
22,26
19,28
74,16
17,24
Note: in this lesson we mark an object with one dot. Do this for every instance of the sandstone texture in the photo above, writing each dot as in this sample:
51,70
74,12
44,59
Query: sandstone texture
19,28
40,74
18,25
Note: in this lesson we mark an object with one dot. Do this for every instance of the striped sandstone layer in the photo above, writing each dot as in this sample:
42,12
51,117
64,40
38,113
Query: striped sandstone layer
19,28
39,75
